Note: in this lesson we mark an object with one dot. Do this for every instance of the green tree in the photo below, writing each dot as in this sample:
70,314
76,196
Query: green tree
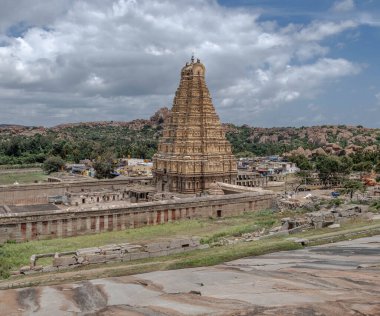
364,166
352,186
245,154
302,162
103,169
346,164
53,164
304,177
327,168
104,166
331,168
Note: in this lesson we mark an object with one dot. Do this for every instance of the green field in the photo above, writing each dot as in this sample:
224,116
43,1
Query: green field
22,177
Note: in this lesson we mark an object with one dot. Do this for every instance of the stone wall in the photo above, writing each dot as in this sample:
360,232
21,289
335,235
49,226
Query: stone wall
251,179
38,193
111,253
76,221
327,217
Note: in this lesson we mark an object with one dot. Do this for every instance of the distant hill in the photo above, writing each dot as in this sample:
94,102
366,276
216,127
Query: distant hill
139,138
331,139
10,126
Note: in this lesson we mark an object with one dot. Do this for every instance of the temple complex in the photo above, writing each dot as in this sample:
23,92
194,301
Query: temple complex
193,152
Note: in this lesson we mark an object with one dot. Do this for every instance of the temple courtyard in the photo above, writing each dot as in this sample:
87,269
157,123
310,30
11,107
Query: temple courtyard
334,279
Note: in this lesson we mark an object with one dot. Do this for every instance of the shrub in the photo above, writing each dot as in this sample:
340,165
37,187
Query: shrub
53,164
335,202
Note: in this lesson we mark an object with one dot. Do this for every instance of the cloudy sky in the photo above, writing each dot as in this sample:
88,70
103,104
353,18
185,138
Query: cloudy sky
269,62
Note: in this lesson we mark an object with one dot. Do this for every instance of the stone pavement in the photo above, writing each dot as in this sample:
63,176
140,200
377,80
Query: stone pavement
335,279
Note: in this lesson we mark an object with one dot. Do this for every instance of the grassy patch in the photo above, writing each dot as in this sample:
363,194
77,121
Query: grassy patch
15,255
27,177
218,255
375,206
238,225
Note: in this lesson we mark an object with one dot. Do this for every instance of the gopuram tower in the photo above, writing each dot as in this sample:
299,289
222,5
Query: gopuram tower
193,151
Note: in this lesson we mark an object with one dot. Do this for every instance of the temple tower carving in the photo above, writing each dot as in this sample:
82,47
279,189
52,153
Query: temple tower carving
193,151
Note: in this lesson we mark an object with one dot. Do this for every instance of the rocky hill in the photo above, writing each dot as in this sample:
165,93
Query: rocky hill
75,141
338,140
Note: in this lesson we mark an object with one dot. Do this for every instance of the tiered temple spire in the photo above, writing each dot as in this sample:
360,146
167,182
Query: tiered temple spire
193,151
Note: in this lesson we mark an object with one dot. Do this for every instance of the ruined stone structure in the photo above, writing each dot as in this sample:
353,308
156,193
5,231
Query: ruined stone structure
73,221
99,196
251,179
193,157
193,151
326,218
111,253
39,193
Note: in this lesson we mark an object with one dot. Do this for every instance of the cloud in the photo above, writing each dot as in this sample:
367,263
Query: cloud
270,88
96,60
377,96
344,5
18,16
318,31
369,19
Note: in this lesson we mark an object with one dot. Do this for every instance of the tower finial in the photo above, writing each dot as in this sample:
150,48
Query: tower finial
192,57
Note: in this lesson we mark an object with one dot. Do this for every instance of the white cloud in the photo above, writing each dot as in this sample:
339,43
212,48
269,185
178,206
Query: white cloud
344,5
318,31
369,19
273,87
100,59
377,96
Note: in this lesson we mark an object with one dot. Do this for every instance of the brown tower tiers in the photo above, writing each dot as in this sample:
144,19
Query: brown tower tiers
193,151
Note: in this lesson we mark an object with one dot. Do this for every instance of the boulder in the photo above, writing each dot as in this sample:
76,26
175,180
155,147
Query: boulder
86,251
96,258
49,269
139,255
64,261
24,269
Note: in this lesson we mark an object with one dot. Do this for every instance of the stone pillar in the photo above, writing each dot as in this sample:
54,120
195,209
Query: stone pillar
88,224
59,228
123,220
40,232
105,222
97,224
74,226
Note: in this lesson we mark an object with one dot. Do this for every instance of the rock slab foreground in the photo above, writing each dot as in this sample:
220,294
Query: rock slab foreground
335,279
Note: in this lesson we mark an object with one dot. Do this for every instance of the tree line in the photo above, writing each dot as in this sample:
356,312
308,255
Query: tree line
103,143
78,143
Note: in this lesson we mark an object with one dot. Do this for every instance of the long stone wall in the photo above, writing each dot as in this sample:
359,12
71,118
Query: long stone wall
111,253
64,223
38,193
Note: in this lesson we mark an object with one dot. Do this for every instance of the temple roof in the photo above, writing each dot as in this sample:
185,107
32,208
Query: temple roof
193,68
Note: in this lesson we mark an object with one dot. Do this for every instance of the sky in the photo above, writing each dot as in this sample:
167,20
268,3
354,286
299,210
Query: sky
268,62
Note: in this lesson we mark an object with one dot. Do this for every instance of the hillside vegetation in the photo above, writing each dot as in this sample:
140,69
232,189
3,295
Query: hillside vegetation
138,138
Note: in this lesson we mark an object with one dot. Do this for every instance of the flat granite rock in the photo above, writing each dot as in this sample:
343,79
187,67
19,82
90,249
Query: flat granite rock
333,279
